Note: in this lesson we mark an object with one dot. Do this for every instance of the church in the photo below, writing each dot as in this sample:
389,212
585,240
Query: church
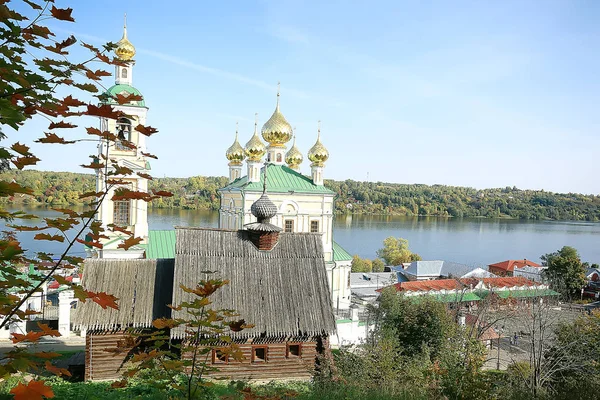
304,204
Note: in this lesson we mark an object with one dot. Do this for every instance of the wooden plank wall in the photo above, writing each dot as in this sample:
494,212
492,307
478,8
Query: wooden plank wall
99,363
277,365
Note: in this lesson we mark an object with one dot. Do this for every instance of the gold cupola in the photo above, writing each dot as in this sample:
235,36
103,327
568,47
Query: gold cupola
318,154
255,149
277,131
294,157
235,153
125,50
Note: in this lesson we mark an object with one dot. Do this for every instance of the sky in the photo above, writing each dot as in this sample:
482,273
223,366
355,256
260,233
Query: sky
465,93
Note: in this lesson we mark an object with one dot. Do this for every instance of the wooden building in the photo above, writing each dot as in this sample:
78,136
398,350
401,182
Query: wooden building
278,283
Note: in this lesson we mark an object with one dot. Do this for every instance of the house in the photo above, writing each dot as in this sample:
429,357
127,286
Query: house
472,290
427,270
592,274
507,268
364,285
277,280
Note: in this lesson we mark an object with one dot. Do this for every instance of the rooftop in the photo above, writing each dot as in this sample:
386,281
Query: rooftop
281,180
510,265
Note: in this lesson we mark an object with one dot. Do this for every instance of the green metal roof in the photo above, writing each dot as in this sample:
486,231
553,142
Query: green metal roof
339,254
456,297
161,244
505,294
281,179
116,89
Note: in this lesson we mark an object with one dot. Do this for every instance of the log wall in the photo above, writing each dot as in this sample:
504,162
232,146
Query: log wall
101,364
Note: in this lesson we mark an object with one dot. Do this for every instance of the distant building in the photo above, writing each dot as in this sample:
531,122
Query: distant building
364,286
427,270
303,203
507,268
592,274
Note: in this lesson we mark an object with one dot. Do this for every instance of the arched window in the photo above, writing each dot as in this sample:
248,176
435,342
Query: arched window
124,73
278,157
123,134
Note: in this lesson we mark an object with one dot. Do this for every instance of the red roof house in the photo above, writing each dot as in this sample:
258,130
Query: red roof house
506,268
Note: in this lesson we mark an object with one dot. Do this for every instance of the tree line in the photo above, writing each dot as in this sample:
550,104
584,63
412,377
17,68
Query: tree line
352,197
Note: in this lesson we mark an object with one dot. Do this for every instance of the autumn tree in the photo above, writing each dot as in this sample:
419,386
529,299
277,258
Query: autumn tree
35,67
378,265
565,270
395,251
360,264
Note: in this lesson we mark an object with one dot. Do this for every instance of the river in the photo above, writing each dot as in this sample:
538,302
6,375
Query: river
469,241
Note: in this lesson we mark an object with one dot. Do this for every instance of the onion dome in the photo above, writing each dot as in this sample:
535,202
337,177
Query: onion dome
255,149
277,131
318,154
263,208
235,153
125,50
294,157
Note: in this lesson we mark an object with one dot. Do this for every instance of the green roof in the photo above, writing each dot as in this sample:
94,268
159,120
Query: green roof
281,179
116,89
505,294
339,254
161,244
456,297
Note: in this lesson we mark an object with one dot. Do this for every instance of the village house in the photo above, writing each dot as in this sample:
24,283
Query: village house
427,270
508,267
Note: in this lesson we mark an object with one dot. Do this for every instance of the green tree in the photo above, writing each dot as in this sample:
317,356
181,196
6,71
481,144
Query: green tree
395,251
378,265
565,270
361,264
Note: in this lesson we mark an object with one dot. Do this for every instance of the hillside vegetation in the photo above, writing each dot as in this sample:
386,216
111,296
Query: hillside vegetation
63,188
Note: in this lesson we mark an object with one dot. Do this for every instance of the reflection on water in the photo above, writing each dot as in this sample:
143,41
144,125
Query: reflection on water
471,241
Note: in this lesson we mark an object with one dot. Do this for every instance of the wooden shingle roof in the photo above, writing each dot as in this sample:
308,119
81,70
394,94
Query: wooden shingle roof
283,292
143,289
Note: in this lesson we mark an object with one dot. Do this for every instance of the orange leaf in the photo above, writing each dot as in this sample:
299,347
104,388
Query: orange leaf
103,110
20,148
127,194
162,193
61,124
46,236
22,162
146,130
117,228
143,175
162,323
119,384
96,75
91,194
90,47
34,390
56,370
31,336
47,331
106,134
53,138
90,243
129,242
105,300
69,101
127,98
63,14
149,155
46,354
93,165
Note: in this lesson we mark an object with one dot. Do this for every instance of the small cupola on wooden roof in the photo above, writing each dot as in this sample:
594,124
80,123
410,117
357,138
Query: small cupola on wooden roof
262,233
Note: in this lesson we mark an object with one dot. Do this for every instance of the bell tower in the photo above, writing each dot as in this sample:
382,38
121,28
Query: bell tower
127,151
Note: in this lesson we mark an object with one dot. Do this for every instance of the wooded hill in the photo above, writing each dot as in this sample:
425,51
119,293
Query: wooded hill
63,188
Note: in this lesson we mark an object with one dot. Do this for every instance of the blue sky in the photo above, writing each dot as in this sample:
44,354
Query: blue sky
466,93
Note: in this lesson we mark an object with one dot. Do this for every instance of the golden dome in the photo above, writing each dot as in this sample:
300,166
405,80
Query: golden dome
277,131
125,50
294,157
235,153
318,154
255,149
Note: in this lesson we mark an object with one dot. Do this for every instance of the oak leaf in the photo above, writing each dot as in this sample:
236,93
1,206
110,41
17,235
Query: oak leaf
34,390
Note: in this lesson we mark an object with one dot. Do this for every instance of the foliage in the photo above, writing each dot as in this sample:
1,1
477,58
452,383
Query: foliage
452,201
378,265
35,65
395,251
163,362
565,270
361,264
200,192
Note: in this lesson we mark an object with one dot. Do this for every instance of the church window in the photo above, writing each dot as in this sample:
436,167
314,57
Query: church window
259,354
314,226
269,157
289,225
124,73
123,134
121,212
278,157
348,284
293,350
